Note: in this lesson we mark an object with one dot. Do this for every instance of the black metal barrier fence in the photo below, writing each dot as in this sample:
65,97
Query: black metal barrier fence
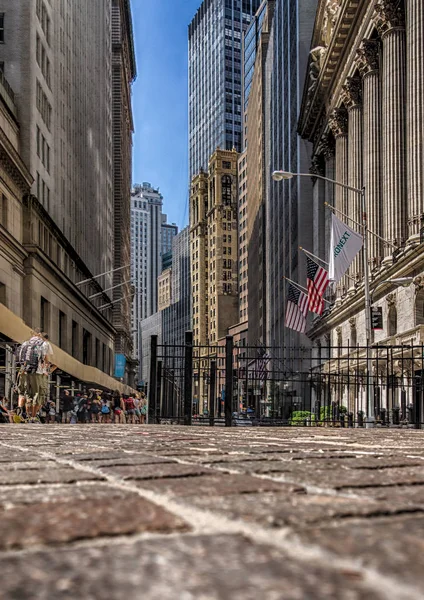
236,385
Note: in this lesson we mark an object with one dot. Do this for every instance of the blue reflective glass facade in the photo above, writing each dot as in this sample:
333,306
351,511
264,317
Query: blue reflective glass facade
215,77
251,41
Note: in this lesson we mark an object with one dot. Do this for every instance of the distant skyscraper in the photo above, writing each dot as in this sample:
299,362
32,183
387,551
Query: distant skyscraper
147,225
168,232
215,78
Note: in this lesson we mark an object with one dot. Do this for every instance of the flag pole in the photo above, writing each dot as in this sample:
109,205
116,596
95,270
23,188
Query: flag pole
323,261
342,214
370,400
301,288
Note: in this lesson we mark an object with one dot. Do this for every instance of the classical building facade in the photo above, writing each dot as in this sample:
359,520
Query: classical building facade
215,78
363,113
214,248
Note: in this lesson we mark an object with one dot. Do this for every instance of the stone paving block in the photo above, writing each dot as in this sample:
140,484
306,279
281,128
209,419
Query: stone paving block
60,522
61,475
156,471
391,545
188,567
91,491
22,465
209,485
298,510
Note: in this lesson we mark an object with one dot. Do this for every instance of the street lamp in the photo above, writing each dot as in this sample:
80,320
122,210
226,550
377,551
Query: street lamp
283,175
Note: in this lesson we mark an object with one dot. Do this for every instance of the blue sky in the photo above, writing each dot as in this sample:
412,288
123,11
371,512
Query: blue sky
160,100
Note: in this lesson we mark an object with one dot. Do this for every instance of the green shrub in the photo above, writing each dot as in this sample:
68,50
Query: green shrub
300,416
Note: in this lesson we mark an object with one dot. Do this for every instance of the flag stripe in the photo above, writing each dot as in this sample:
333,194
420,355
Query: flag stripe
317,282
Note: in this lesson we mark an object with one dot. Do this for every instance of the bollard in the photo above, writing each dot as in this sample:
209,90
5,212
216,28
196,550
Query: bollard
360,419
342,421
383,415
396,415
350,419
411,414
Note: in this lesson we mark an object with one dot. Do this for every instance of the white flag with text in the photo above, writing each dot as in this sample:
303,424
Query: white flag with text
344,246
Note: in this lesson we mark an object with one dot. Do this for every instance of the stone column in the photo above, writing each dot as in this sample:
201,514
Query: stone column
368,64
338,123
319,239
391,26
352,98
415,114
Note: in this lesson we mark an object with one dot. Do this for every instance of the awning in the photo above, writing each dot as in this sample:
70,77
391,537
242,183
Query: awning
15,329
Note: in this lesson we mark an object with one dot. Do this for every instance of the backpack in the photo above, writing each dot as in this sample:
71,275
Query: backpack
129,404
105,409
29,354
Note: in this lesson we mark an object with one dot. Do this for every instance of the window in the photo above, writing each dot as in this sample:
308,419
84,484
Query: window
62,329
226,165
1,28
86,347
3,211
75,344
2,293
392,321
226,190
44,314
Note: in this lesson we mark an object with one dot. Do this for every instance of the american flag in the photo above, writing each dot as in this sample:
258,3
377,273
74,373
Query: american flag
297,309
317,281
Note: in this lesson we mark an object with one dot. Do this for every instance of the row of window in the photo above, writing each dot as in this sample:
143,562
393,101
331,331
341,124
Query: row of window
44,19
43,106
43,150
42,60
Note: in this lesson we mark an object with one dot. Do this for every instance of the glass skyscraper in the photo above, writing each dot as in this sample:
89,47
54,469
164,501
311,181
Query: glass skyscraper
215,39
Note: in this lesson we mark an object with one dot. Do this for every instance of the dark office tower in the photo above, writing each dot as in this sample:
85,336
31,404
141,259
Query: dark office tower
215,78
288,204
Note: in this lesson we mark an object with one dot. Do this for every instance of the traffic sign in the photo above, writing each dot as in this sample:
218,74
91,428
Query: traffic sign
376,318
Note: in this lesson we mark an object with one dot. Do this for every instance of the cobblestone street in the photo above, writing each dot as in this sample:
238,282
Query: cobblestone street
196,513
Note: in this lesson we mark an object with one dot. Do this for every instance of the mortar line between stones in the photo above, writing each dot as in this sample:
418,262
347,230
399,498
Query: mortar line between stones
207,523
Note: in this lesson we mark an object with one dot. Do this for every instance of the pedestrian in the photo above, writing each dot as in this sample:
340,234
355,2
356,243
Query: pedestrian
67,406
96,406
105,411
82,409
143,409
6,416
130,408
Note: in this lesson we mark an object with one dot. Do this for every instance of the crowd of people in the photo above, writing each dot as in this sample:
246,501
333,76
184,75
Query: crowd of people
35,364
93,406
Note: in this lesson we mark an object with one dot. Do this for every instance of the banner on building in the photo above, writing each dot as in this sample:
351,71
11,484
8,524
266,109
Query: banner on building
344,246
120,364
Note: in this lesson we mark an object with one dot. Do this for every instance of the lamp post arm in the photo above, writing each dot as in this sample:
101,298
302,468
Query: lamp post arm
343,185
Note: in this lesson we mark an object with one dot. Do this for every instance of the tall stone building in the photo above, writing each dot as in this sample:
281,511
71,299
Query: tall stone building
257,129
65,112
215,78
123,74
362,112
288,205
58,59
214,248
38,270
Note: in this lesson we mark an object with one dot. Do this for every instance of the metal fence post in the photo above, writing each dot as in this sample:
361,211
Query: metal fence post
188,377
159,394
212,394
153,381
229,346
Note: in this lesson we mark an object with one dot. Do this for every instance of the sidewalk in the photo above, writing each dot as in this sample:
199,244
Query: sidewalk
179,513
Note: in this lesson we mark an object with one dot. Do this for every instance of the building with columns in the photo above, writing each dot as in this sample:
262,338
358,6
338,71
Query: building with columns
362,111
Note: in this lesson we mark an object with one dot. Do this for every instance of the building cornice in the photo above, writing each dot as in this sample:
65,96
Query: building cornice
331,42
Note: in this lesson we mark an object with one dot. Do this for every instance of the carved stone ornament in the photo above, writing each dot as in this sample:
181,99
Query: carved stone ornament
339,330
389,14
317,165
352,89
331,14
338,122
391,300
418,282
327,147
368,55
352,322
